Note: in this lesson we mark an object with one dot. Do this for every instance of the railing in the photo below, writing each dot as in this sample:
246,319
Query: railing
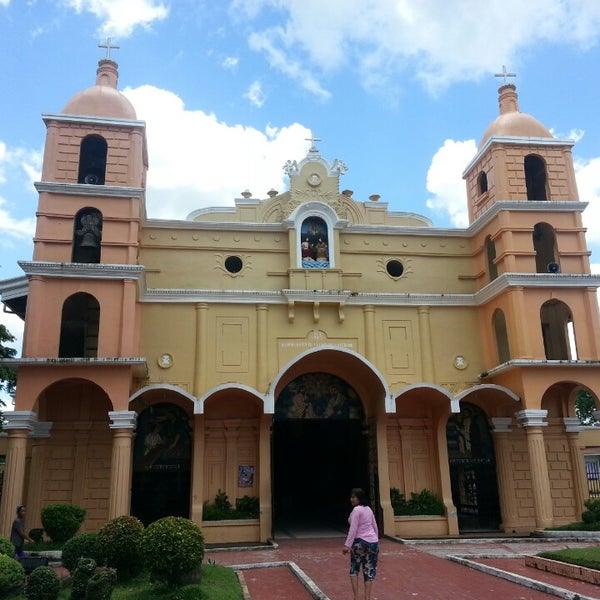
593,477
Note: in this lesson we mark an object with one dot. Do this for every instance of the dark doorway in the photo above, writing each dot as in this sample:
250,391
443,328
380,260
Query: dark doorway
473,470
320,452
161,464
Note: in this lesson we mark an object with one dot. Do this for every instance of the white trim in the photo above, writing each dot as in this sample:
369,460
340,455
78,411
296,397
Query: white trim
572,424
163,386
500,424
532,418
84,189
489,386
93,120
20,419
78,270
516,363
122,419
454,401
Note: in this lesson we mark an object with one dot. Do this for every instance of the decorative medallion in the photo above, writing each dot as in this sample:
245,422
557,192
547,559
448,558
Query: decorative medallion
460,362
313,179
165,361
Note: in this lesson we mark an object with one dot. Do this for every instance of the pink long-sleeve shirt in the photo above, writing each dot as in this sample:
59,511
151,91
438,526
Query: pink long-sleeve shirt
362,525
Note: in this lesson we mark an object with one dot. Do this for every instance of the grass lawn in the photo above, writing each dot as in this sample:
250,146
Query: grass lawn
218,583
583,557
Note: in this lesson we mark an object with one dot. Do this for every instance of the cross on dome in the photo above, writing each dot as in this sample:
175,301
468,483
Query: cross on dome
505,74
108,47
312,141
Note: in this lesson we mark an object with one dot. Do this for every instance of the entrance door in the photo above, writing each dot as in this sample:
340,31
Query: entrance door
161,464
320,452
473,470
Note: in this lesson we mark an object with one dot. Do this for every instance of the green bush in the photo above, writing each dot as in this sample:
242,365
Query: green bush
120,546
245,508
424,502
42,584
587,516
86,567
101,584
172,546
84,545
6,547
593,507
62,521
12,575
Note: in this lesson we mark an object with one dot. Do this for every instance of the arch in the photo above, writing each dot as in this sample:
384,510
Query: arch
92,160
348,364
314,247
199,406
557,324
501,336
482,182
438,392
157,387
544,244
87,235
535,177
79,328
498,391
490,250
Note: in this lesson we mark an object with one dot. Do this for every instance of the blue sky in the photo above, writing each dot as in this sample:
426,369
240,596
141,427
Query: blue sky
400,90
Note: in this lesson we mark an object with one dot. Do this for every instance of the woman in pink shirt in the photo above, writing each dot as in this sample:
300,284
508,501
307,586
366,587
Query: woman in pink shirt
362,542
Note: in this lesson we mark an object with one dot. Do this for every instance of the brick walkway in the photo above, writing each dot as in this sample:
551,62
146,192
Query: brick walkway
419,571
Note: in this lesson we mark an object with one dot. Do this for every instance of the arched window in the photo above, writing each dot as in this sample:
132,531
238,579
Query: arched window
557,331
490,248
482,182
87,234
314,243
92,160
535,178
79,327
544,244
501,335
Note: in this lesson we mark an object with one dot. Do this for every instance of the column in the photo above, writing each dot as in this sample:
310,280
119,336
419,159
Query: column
18,425
198,470
200,366
580,483
501,431
426,343
533,421
39,435
370,347
439,419
232,433
119,500
264,478
262,360
128,317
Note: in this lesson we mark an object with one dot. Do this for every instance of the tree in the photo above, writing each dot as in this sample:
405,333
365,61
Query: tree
585,405
8,376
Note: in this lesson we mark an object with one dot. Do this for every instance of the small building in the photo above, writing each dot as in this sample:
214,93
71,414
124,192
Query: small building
292,347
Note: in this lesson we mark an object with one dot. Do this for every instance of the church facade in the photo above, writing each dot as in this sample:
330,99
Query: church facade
293,347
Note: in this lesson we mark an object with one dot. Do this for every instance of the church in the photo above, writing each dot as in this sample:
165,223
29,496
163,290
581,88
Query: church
293,346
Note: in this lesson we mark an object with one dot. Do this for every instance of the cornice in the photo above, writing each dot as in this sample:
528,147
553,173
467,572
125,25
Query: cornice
14,288
139,364
83,189
520,363
213,225
66,118
82,270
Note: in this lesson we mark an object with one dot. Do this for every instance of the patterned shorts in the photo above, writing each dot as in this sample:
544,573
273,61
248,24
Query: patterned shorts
364,554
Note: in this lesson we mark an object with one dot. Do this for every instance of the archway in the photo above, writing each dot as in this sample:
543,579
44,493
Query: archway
320,452
161,464
473,470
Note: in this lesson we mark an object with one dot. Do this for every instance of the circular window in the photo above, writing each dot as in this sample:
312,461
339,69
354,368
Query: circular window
233,264
394,268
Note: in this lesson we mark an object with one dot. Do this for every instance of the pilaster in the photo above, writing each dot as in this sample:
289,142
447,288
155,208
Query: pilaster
262,350
201,354
370,345
533,421
426,343
39,435
197,475
264,478
18,425
123,424
580,483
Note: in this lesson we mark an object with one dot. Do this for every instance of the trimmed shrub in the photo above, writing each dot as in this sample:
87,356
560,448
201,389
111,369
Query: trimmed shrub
12,576
42,584
62,521
84,545
247,507
593,507
172,547
86,567
100,585
587,516
6,547
120,542
424,502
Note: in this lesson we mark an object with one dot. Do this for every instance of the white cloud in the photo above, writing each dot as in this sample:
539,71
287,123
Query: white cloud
445,182
4,2
255,94
445,41
230,62
587,173
12,229
120,17
198,161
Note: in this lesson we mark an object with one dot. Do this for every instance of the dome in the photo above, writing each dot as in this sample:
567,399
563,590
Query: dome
512,122
102,99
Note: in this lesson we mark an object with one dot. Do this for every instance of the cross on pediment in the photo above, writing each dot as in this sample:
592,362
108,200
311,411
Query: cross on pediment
312,141
505,74
108,46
